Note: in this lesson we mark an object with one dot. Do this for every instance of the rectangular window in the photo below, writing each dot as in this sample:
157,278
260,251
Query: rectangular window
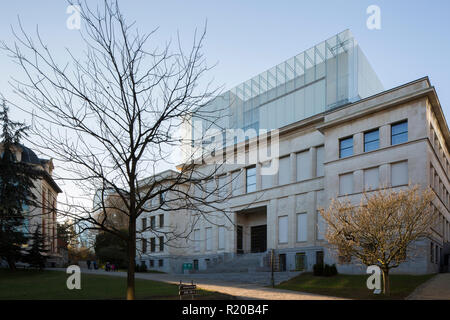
152,263
153,244
144,224
302,227
250,179
371,140
162,198
431,252
371,179
399,132
303,166
319,162
221,237
399,173
266,180
283,229
195,264
284,172
222,186
346,183
320,227
300,261
236,183
346,147
152,222
160,263
208,235
161,220
197,240
144,245
319,257
161,244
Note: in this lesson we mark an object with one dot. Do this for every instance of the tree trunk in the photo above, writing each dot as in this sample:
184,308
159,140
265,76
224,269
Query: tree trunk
12,264
131,258
386,283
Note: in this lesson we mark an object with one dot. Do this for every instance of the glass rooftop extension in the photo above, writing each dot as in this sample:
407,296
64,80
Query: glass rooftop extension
332,73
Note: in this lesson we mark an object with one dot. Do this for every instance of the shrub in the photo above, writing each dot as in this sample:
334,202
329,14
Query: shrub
329,271
318,269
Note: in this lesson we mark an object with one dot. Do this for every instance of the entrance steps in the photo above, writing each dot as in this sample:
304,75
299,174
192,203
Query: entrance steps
241,263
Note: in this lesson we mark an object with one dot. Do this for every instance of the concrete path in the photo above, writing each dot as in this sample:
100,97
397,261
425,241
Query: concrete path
437,288
218,283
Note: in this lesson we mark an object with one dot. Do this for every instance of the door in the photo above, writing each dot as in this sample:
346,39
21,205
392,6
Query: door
239,238
300,261
282,259
259,238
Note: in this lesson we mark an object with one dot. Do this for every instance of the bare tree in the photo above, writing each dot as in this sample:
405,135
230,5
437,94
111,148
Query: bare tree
382,228
111,118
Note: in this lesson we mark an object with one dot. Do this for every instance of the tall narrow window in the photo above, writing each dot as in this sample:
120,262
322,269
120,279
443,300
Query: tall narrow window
197,240
371,179
303,166
144,224
346,184
399,173
161,220
371,140
284,176
319,162
320,227
221,237
208,235
236,183
144,245
153,244
346,147
302,227
161,244
152,222
283,229
250,179
399,132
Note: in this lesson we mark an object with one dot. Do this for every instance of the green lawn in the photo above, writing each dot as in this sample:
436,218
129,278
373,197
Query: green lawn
353,286
30,284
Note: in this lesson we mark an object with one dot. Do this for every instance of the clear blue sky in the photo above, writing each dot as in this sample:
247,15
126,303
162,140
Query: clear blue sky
247,37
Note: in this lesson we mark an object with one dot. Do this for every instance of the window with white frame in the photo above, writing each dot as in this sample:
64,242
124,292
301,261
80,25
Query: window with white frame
302,227
250,175
283,229
399,132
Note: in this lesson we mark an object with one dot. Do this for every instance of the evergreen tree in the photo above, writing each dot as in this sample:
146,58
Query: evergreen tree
36,254
16,183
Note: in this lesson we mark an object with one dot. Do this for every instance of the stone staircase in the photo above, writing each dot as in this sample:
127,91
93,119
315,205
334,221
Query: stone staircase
244,263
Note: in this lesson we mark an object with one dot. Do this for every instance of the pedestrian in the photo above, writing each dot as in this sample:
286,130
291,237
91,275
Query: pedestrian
95,265
88,262
107,266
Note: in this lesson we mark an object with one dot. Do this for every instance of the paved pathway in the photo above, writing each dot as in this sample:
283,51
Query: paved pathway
437,288
220,283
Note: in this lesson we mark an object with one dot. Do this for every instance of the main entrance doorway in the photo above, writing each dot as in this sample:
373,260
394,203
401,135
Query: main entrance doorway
258,238
251,231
